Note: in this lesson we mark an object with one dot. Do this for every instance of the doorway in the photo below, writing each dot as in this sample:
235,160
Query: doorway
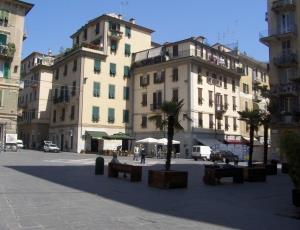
62,142
94,145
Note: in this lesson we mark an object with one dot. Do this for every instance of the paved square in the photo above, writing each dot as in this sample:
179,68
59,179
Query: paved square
60,191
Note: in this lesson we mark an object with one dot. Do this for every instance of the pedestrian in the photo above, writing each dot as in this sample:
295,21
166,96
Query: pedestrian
136,152
143,155
115,159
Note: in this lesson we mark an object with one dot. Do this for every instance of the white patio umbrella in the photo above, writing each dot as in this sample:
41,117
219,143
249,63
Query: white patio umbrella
148,140
164,141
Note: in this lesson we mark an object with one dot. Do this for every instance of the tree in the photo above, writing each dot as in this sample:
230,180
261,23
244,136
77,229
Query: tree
171,111
252,118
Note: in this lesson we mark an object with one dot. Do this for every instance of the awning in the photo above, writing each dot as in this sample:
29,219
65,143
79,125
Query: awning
208,141
255,142
155,52
119,136
96,134
141,56
233,142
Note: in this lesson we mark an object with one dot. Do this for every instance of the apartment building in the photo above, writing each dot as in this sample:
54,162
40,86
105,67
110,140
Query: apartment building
208,80
34,101
12,16
283,17
92,84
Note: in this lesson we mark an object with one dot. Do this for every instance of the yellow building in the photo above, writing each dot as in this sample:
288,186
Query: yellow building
12,16
283,17
35,99
92,87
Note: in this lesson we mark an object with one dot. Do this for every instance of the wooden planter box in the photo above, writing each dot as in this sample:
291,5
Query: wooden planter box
167,179
285,168
255,174
296,197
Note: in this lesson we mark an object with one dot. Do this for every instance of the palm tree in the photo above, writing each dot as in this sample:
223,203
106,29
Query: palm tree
171,111
252,118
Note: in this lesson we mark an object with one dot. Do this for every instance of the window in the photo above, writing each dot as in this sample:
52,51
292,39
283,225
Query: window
73,88
111,92
210,98
85,34
35,95
200,120
111,115
1,98
96,89
233,85
144,121
75,65
157,100
246,106
159,77
234,103
144,80
4,17
175,74
225,82
57,74
3,39
200,98
144,99
126,71
226,123
77,40
234,124
126,93
95,114
246,70
112,70
225,101
72,116
128,31
175,95
54,116
245,88
6,70
97,29
175,50
63,113
66,70
97,65
219,124
211,121
113,46
127,50
125,116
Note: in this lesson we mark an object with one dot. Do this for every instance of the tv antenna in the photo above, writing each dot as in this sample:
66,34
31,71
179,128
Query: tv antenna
123,5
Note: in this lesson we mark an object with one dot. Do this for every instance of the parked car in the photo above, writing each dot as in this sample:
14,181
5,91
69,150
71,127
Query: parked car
224,156
51,148
201,152
20,144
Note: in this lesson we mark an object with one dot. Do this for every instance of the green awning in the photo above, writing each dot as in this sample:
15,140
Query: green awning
119,136
96,134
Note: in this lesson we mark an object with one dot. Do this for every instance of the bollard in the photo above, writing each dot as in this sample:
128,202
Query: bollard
99,166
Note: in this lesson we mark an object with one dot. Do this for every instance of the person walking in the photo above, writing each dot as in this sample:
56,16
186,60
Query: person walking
143,155
136,153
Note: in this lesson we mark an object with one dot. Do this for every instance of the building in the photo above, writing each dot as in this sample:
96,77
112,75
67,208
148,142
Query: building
12,16
35,100
92,87
283,17
206,78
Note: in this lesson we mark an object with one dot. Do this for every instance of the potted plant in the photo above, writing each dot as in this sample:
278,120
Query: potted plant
252,118
168,178
290,146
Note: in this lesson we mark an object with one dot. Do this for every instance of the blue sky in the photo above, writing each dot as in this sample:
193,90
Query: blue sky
51,22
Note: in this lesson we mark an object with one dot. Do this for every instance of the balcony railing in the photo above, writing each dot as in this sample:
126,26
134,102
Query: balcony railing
286,59
61,99
283,5
115,34
290,30
288,89
154,107
8,50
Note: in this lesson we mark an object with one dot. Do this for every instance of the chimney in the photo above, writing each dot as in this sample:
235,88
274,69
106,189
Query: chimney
120,16
200,39
49,52
132,20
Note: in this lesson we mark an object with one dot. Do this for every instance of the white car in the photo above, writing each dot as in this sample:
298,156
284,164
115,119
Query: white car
20,144
51,148
201,152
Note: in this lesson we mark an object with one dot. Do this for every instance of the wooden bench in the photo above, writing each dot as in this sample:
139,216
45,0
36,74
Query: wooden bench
213,174
134,171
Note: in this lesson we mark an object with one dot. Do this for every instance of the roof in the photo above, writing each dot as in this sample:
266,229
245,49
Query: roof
26,5
105,16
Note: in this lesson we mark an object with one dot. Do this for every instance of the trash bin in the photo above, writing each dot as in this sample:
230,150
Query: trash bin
99,166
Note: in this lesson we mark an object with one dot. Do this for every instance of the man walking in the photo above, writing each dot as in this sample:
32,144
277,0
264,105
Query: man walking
143,155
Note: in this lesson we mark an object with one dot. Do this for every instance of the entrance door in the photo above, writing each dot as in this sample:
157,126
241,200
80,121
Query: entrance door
94,145
62,142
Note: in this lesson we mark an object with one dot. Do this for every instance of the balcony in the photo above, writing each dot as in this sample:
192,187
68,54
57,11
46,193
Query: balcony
270,35
154,107
7,51
286,60
115,34
288,89
220,108
283,5
214,81
61,99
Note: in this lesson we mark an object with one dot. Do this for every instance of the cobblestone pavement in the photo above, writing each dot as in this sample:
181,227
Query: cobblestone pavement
60,191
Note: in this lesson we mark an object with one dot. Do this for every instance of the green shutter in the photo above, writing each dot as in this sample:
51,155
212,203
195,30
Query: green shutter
127,50
110,25
6,70
97,65
111,115
113,68
128,32
125,116
3,39
126,71
96,91
1,98
126,93
111,93
95,115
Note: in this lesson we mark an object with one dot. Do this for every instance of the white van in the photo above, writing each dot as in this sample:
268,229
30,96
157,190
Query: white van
201,152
